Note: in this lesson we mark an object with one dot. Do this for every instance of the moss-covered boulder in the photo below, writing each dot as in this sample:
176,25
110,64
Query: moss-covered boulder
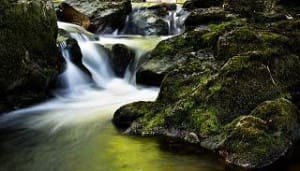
167,55
29,57
262,137
231,86
104,16
207,101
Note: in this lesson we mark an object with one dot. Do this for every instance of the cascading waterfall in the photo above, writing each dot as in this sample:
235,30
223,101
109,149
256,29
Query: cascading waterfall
73,131
84,99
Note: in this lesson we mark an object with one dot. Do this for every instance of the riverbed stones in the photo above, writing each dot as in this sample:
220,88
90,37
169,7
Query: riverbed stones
28,52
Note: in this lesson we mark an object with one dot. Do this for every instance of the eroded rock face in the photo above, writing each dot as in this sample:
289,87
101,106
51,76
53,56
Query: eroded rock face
28,52
104,16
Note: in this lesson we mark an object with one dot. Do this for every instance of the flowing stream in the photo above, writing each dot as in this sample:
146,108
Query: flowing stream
73,131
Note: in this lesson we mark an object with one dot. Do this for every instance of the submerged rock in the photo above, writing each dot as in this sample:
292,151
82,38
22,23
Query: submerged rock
28,52
97,16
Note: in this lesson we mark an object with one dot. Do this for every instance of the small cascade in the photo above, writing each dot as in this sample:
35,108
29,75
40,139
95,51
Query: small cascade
73,78
143,18
96,60
176,20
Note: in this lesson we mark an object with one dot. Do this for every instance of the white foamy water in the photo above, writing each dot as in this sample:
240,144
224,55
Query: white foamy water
84,99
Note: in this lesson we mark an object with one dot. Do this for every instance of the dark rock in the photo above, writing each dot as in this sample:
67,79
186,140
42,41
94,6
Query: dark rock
103,15
67,13
126,115
249,8
205,15
121,58
28,52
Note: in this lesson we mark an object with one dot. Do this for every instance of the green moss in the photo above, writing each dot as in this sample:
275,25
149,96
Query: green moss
281,117
261,137
204,122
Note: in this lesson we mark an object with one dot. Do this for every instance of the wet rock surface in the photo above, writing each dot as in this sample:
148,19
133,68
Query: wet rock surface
97,16
121,57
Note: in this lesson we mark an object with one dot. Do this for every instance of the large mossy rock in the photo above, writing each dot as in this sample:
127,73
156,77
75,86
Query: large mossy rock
97,16
28,52
231,87
264,136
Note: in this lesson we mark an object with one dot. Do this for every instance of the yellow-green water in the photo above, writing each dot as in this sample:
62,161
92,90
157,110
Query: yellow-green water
96,147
